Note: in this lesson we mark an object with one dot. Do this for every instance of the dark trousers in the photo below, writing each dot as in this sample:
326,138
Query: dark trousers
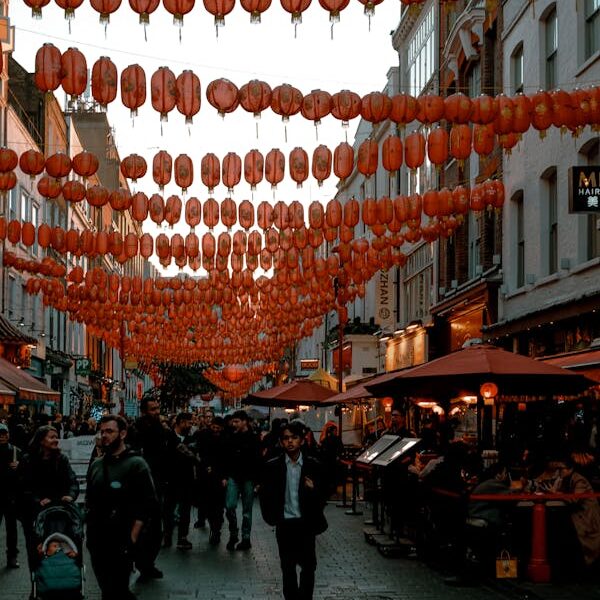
297,548
213,505
7,511
112,566
174,498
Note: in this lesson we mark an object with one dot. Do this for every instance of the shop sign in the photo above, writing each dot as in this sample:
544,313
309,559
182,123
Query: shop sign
139,392
309,364
405,351
384,300
83,366
584,189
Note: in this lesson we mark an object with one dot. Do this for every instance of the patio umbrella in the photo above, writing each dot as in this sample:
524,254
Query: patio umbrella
463,372
291,395
358,392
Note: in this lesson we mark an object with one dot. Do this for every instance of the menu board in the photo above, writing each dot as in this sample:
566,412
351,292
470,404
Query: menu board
396,451
382,444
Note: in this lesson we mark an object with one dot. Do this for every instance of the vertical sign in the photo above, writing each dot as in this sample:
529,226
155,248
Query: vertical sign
140,390
384,300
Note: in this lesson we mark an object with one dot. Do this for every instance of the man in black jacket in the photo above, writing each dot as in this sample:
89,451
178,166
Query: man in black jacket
120,500
292,498
9,460
241,468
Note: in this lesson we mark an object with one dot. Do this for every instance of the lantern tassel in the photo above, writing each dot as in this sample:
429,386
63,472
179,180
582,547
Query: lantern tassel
256,129
285,132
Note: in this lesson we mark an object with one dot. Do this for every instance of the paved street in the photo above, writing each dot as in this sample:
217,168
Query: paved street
348,569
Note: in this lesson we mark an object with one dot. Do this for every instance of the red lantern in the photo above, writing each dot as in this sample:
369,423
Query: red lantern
542,114
104,81
376,107
188,95
32,163
255,8
48,68
58,165
522,113
316,105
246,214
255,96
483,139
437,146
74,73
193,212
274,167
286,101
392,153
73,191
295,8
85,164
36,7
219,8
144,8
228,213
8,181
96,195
370,6
503,123
223,95
210,171
254,165
120,199
430,108
192,245
8,160
414,150
184,172
28,234
460,142
345,105
404,109
133,167
133,88
210,213
264,215
298,163
156,209
484,110
173,208
178,8
458,108
321,164
335,7
105,8
163,92
232,170
343,161
162,165
368,157
139,207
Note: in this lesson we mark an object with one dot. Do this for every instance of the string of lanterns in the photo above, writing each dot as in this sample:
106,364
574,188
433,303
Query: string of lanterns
503,115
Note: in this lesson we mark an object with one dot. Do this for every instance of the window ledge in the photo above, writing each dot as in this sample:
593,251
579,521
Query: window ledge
588,63
584,266
518,292
547,279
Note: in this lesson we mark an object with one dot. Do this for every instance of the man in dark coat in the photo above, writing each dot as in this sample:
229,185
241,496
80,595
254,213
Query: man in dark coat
292,498
120,500
9,460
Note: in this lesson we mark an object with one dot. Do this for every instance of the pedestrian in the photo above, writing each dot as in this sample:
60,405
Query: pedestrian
9,461
44,477
150,438
120,501
181,484
331,450
292,497
241,470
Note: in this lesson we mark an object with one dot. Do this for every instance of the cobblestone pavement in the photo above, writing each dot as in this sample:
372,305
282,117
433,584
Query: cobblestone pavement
348,569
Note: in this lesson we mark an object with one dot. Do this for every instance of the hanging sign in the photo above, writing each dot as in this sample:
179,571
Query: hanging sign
384,308
584,189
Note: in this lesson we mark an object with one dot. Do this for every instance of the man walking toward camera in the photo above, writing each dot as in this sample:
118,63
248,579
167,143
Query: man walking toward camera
9,460
241,468
292,498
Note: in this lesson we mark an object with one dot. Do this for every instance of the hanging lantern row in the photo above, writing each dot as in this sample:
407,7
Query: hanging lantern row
218,8
509,114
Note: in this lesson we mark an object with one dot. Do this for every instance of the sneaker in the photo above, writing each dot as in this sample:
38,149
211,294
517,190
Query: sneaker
214,538
184,544
151,573
233,540
12,563
244,545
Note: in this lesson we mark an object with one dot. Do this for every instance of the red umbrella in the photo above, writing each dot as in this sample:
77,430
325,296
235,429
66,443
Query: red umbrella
464,371
293,394
358,392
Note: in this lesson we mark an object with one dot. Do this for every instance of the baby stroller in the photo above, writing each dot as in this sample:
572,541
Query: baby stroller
58,572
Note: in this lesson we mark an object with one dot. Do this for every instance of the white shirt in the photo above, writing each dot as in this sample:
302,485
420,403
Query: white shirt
291,506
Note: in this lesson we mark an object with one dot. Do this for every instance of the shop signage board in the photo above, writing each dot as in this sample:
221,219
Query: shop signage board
394,452
584,189
83,366
381,445
309,364
384,300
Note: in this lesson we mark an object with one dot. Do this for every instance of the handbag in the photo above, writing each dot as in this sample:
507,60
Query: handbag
506,566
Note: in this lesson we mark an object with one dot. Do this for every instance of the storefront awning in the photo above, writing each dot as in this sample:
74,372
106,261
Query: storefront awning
25,386
586,362
9,334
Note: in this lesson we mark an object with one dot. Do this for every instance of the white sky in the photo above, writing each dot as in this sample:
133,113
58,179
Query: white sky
355,59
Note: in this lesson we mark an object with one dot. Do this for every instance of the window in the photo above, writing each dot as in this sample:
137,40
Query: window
421,53
520,229
592,154
13,210
474,243
474,80
12,296
551,47
34,219
517,69
592,27
552,223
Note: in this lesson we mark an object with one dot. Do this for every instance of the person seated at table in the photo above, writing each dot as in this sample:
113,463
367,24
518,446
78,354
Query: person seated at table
585,512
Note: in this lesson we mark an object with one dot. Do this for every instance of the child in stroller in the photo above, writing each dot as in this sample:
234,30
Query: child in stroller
58,570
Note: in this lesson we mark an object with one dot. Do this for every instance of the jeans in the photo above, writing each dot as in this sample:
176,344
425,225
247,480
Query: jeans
235,489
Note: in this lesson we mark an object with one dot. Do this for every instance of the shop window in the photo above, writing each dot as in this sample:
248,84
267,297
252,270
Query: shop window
592,27
517,69
551,48
520,238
